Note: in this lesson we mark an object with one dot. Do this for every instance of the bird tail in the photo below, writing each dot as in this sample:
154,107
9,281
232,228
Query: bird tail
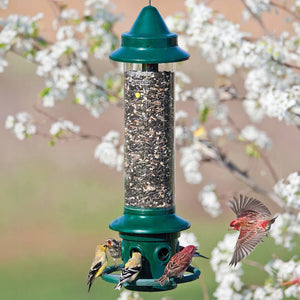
118,286
89,283
162,280
271,222
197,254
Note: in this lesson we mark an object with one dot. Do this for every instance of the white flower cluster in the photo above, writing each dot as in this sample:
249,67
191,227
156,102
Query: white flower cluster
129,295
258,6
3,4
268,292
252,134
190,163
62,127
107,153
285,229
289,190
230,285
187,238
89,95
283,272
21,125
271,86
276,103
209,200
62,63
207,103
17,31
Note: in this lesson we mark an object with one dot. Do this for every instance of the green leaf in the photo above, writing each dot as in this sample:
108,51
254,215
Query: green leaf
107,26
41,41
29,53
51,143
109,83
76,21
88,18
204,114
68,51
2,46
252,150
44,92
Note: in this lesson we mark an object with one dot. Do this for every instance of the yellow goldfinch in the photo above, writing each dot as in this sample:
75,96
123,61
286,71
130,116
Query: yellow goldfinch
114,249
131,270
98,265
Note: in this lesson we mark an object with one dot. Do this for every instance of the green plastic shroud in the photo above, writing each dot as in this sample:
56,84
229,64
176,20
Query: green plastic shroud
149,41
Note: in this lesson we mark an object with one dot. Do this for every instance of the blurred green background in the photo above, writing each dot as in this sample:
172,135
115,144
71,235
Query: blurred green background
56,202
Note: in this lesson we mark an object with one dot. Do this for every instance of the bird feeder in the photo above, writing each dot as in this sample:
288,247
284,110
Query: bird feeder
149,223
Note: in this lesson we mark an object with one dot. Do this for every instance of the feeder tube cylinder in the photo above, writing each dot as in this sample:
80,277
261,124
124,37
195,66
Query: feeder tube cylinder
149,135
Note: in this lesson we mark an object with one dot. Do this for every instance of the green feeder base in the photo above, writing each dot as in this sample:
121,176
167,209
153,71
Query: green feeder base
154,233
149,285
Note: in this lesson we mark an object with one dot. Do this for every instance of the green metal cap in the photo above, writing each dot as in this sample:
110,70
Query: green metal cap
149,41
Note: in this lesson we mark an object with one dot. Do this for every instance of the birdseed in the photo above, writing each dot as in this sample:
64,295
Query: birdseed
149,139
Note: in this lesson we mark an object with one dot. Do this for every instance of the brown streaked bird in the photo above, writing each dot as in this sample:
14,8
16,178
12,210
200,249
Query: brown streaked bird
178,264
251,222
114,249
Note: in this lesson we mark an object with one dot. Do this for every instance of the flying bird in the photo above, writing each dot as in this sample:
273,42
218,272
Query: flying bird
114,249
251,222
131,270
178,264
98,265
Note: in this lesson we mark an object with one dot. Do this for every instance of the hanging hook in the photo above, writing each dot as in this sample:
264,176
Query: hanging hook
149,2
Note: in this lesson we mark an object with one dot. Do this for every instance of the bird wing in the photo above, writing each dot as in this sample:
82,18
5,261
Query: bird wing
127,273
247,241
245,206
178,263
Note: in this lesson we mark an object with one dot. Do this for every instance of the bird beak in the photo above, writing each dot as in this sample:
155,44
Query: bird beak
230,228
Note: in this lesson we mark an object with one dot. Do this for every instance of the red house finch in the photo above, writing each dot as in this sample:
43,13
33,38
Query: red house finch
98,265
114,249
251,223
178,264
131,270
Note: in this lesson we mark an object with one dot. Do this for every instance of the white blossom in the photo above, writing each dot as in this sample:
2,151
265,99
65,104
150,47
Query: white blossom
230,285
187,238
63,126
22,125
258,6
190,164
289,190
9,122
129,295
252,134
276,102
209,200
3,4
107,153
282,272
285,228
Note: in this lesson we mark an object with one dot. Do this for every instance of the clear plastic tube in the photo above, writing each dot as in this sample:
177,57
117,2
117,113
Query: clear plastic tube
149,136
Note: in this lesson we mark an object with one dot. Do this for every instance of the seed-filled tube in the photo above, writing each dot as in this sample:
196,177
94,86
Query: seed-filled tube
149,137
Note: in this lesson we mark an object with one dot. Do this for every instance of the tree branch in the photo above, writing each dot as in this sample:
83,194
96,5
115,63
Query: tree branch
254,264
257,18
284,8
244,177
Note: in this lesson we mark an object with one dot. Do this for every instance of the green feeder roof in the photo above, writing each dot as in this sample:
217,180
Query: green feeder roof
149,41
